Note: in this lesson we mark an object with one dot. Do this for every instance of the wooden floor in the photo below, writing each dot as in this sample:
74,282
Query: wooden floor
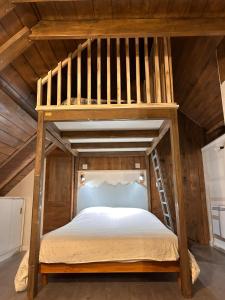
210,285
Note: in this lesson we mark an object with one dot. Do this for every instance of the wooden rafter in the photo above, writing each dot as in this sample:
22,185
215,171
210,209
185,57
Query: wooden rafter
162,131
152,133
14,47
220,53
5,7
28,106
128,28
110,145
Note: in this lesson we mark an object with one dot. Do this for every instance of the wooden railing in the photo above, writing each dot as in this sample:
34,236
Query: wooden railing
104,72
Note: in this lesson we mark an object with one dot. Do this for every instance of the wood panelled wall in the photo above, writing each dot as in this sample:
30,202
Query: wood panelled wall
106,161
58,201
191,139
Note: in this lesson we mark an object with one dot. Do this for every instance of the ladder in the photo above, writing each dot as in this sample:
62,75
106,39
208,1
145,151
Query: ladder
161,189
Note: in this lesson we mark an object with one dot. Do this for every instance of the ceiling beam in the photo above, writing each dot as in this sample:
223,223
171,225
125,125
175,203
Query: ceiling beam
43,1
127,28
112,154
14,47
110,145
151,133
5,7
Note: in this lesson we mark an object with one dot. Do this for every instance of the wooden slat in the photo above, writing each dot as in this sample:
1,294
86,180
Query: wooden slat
89,72
138,85
128,28
167,71
49,88
110,134
108,73
157,71
147,72
128,71
39,92
99,71
118,70
69,67
79,75
59,84
14,47
109,145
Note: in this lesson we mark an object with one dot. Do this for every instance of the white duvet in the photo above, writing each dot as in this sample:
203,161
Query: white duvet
100,234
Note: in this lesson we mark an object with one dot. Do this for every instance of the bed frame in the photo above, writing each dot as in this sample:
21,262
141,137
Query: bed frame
157,104
109,267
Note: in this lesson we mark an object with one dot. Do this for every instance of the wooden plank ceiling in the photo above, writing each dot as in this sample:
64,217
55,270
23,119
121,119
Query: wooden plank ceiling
195,70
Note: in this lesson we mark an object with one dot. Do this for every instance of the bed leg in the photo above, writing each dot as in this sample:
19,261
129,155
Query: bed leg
44,279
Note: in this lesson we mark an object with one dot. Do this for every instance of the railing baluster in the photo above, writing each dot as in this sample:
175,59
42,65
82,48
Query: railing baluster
157,71
89,72
79,75
167,72
69,79
39,92
138,86
118,71
108,72
128,71
99,71
147,73
49,88
59,83
171,69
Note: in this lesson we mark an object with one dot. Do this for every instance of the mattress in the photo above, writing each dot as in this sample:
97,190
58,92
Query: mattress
105,234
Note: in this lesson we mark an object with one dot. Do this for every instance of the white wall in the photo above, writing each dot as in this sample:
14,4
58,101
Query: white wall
24,189
129,195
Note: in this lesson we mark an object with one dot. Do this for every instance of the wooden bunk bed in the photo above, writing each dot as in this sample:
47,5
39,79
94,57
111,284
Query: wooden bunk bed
153,101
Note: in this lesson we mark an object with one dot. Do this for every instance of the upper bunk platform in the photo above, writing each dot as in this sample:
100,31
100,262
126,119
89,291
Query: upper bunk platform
109,74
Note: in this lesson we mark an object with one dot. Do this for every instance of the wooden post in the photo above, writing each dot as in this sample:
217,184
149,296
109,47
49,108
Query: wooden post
185,274
36,210
147,162
72,185
76,170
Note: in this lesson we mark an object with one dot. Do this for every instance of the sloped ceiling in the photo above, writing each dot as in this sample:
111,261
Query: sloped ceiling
196,83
